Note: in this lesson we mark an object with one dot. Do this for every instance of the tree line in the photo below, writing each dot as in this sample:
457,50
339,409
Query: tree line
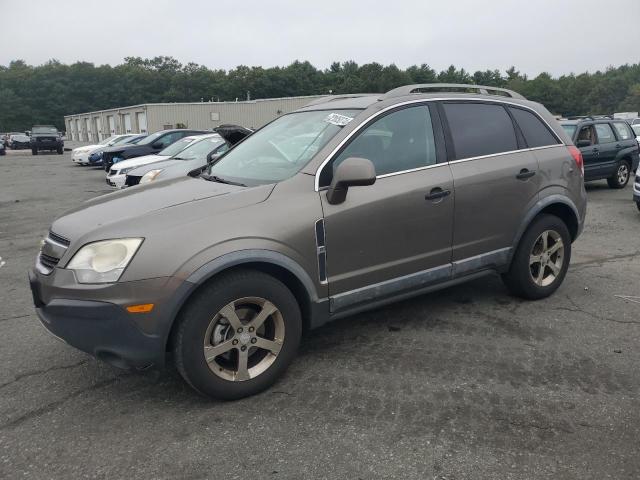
43,94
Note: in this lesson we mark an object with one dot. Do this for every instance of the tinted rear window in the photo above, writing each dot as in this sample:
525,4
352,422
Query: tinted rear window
535,132
479,129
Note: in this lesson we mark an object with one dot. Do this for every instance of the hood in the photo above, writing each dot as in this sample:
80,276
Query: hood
86,148
168,163
138,161
126,205
129,150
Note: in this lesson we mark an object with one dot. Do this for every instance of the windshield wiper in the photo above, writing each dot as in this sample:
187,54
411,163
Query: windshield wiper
215,178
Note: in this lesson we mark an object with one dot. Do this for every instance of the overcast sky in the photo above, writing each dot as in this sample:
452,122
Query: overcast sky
557,36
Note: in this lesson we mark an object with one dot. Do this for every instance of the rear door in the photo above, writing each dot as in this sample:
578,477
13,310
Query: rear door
608,151
400,225
496,181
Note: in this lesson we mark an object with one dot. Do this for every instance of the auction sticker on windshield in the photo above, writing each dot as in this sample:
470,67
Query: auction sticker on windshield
337,119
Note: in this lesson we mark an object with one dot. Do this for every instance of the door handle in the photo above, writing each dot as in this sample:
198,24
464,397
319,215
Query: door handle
525,173
618,146
437,193
596,151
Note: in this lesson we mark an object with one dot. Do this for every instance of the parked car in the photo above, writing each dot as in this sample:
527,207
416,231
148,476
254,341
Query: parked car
46,137
609,149
19,141
95,157
192,159
636,190
3,149
118,172
636,130
342,206
80,155
154,143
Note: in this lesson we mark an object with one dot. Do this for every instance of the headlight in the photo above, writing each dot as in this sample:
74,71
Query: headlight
104,261
125,170
150,176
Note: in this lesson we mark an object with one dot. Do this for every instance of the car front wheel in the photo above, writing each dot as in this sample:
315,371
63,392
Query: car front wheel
541,260
621,177
34,151
238,335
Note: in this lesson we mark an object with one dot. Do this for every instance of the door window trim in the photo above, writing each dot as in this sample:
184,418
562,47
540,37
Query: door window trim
374,115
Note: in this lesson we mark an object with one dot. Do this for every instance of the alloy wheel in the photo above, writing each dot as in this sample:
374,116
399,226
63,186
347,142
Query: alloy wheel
623,174
546,258
244,339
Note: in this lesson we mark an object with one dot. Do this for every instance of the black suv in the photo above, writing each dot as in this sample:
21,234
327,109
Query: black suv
609,149
46,137
148,146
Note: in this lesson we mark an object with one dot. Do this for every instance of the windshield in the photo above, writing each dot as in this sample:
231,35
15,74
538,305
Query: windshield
569,128
108,141
636,129
45,130
176,147
122,139
282,148
200,149
150,139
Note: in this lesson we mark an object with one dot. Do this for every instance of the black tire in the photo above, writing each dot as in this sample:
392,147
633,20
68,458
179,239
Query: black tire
34,151
199,312
638,205
519,279
60,150
621,176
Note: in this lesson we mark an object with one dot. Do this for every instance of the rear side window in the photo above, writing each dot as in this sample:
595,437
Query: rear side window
604,132
535,132
624,131
479,129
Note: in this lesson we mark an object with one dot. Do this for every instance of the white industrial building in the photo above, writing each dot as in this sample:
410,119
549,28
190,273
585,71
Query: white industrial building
152,117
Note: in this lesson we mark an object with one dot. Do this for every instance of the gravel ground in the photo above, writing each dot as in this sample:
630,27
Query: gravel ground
463,383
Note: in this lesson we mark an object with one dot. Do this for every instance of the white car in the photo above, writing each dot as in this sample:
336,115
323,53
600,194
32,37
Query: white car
118,172
80,155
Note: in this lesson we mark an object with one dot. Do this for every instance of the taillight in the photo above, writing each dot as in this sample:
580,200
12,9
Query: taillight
577,157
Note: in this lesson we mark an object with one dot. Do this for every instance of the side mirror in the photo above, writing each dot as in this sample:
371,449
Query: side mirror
158,145
352,172
583,143
212,157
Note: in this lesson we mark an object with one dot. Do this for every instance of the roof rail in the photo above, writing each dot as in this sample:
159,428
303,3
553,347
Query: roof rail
466,88
332,98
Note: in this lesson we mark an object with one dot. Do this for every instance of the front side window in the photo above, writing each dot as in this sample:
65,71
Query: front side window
535,132
636,129
604,132
623,130
282,148
479,129
586,134
399,141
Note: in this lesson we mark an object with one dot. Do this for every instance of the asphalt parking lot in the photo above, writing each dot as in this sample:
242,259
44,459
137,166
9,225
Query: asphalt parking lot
464,383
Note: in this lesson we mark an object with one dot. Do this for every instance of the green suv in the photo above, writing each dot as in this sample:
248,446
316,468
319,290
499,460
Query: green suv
347,204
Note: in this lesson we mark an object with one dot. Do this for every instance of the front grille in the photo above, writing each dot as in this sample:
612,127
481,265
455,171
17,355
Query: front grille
48,262
59,239
113,172
51,252
132,180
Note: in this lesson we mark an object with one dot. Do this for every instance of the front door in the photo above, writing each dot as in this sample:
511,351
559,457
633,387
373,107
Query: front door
496,180
393,235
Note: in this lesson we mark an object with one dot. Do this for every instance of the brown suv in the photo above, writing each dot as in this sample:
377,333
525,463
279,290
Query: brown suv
347,204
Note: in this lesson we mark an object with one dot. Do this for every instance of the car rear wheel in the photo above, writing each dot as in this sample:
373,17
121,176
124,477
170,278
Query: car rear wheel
541,259
60,150
621,177
238,335
34,151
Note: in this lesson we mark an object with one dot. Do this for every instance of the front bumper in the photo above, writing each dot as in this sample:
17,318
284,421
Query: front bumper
116,181
81,158
94,319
